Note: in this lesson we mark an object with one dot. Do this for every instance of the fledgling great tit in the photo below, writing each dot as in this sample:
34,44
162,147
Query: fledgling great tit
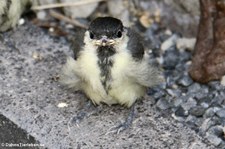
10,12
110,64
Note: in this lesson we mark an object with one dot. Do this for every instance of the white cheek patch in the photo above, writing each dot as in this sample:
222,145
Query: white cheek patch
121,43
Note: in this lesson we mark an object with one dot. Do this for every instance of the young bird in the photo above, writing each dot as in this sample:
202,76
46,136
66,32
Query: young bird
110,64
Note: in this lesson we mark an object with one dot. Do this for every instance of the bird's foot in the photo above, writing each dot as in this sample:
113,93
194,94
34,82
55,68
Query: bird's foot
78,118
80,115
86,111
125,125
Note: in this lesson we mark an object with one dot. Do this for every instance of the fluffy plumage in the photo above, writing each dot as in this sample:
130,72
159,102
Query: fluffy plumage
110,66
10,11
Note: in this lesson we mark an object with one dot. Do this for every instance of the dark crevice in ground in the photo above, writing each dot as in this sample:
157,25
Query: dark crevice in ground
11,135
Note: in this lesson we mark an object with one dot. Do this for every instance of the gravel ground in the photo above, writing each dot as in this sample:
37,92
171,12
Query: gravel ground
30,97
200,106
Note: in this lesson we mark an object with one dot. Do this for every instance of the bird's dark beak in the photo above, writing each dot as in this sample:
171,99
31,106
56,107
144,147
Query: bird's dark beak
104,40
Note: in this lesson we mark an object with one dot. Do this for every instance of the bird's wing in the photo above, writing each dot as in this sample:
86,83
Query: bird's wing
77,42
135,45
145,73
142,70
68,75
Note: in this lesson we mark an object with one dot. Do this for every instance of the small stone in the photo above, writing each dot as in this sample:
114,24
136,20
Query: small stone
191,119
180,67
204,105
217,101
37,56
222,145
51,29
209,113
169,42
178,118
217,120
206,99
163,104
221,113
41,15
21,21
207,123
150,35
181,112
191,102
216,130
170,81
168,32
215,85
213,139
178,101
170,58
62,105
195,87
185,56
174,93
202,93
186,43
185,81
222,82
159,94
197,111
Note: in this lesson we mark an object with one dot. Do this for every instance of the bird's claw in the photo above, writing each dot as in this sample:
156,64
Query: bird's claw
119,128
77,119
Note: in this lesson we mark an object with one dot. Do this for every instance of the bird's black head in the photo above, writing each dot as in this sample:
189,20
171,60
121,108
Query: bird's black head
105,30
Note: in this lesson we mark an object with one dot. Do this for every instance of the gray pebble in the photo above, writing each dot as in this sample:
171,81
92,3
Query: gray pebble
194,121
170,81
181,112
222,145
202,93
213,139
191,102
174,92
205,105
201,106
195,87
209,112
207,123
177,102
221,113
191,119
197,111
159,94
215,85
171,57
185,81
163,104
185,56
216,130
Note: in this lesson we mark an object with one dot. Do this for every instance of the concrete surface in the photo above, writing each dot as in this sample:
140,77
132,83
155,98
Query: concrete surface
11,134
29,96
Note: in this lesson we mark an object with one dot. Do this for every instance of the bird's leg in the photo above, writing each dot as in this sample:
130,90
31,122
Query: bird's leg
87,110
82,113
127,123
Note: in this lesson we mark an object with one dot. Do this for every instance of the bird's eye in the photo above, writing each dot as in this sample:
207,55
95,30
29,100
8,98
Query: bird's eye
119,34
91,35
